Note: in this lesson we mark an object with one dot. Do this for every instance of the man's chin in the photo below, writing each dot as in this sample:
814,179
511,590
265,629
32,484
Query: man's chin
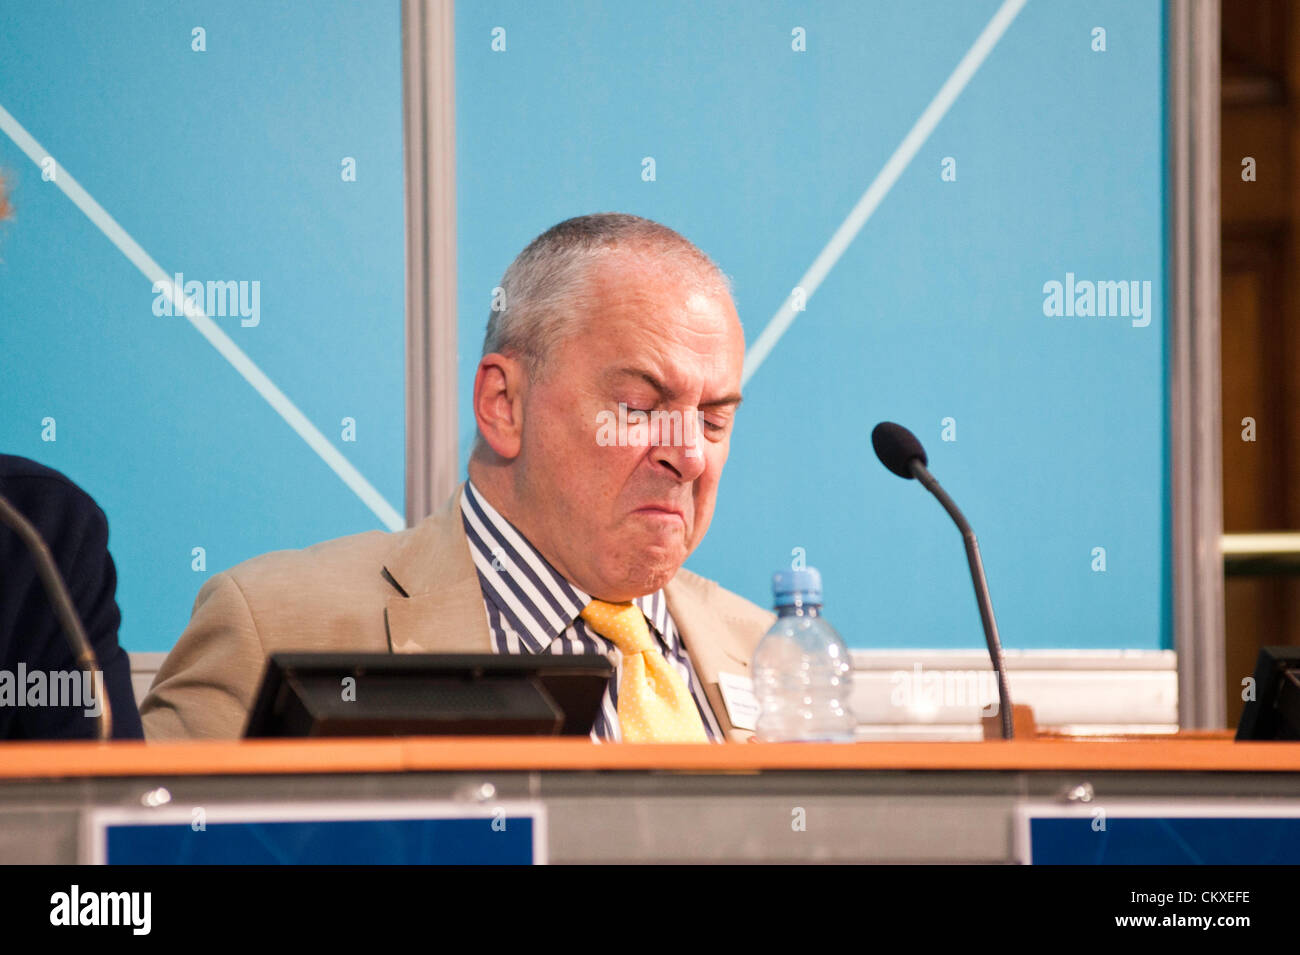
666,548
651,569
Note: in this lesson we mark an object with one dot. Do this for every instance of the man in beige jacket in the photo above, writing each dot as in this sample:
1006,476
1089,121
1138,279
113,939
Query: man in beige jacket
605,401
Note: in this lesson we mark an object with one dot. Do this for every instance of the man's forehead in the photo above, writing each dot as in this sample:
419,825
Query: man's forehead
625,275
658,319
700,302
662,307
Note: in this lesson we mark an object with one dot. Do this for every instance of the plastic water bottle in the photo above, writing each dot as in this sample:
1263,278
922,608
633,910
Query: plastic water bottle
803,674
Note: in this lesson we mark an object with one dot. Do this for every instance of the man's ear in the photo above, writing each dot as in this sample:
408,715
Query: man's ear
499,386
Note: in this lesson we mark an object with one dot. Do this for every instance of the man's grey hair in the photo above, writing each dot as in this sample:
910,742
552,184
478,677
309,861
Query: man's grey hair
545,294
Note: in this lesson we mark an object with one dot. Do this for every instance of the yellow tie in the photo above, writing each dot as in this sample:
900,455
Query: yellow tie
654,703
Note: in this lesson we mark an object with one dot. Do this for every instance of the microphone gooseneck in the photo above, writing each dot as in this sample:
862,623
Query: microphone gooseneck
901,452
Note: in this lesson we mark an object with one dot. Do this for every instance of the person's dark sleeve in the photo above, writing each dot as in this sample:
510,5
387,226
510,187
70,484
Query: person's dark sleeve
76,531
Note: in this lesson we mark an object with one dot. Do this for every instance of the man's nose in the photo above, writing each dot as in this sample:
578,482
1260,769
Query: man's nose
685,460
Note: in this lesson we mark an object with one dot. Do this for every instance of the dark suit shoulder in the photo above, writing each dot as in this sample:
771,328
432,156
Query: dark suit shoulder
68,520
75,530
44,495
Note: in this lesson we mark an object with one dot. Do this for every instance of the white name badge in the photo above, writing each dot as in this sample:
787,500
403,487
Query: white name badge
738,696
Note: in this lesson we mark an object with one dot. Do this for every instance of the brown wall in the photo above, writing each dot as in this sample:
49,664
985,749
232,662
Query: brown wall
1261,314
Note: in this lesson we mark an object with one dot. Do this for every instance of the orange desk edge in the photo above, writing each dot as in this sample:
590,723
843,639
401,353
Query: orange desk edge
54,760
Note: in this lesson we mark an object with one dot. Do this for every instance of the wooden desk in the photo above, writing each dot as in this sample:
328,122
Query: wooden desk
894,801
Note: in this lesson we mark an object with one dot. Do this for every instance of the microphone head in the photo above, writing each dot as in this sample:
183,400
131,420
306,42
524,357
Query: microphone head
896,447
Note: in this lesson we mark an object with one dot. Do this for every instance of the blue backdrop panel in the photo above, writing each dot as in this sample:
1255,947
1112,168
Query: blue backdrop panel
223,165
1056,447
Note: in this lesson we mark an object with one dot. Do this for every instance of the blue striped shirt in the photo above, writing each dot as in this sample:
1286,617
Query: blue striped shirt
531,608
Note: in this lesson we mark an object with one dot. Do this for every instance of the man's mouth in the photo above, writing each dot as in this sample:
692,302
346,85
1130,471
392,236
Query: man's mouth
666,512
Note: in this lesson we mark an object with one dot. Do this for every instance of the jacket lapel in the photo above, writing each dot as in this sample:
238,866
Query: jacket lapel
713,641
438,607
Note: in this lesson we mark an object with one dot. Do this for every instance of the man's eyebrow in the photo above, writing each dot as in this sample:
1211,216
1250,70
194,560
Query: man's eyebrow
668,393
733,399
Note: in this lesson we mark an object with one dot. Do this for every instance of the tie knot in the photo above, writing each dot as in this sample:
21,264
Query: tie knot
623,624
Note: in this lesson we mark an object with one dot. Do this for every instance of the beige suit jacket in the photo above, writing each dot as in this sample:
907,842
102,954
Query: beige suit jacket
413,591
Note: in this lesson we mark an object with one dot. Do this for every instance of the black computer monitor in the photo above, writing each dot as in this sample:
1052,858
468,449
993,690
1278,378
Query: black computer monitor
1274,713
428,694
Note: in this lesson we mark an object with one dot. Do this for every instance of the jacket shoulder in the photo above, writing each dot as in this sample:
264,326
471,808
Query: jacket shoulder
724,601
49,499
316,565
334,586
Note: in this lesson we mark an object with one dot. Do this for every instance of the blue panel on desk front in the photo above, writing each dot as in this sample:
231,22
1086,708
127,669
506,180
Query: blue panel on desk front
470,841
1155,841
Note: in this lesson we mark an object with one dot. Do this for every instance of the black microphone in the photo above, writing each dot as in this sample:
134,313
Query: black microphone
899,451
59,598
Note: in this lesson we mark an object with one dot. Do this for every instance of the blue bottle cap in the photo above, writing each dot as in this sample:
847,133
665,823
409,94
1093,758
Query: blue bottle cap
805,584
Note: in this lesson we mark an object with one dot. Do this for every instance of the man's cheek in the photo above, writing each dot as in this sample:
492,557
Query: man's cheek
703,518
715,457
